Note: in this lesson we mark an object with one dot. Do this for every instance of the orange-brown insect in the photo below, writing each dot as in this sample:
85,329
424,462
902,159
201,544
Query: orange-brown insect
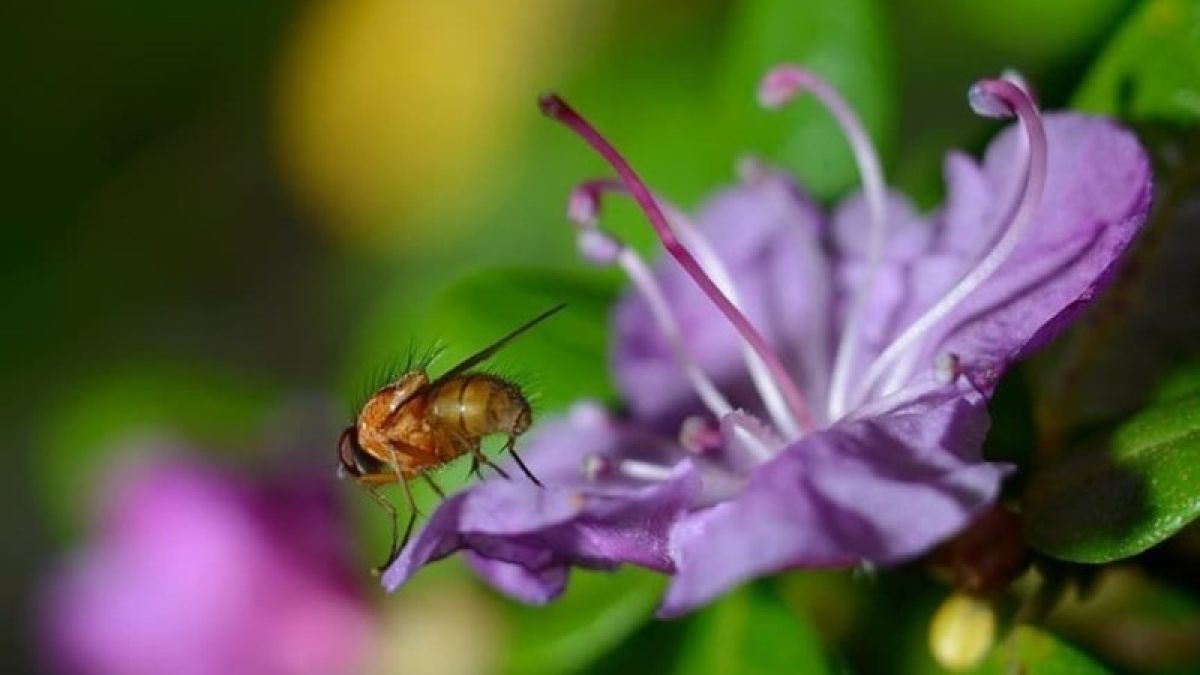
414,426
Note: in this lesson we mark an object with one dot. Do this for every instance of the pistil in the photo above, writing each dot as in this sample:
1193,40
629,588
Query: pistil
556,108
583,209
603,247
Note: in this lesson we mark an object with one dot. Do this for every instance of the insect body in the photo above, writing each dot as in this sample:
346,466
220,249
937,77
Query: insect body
414,426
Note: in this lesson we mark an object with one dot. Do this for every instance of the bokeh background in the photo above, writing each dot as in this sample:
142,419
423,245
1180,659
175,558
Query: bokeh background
221,216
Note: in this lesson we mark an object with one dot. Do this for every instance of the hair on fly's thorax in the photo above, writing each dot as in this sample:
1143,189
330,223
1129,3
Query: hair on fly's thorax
420,355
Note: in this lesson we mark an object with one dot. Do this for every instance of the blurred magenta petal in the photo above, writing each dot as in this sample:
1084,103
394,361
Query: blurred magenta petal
191,570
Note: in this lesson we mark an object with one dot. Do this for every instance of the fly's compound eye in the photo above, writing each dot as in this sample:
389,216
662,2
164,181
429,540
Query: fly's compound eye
347,451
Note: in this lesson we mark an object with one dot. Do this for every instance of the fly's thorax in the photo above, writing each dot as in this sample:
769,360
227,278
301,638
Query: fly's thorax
392,417
478,404
380,410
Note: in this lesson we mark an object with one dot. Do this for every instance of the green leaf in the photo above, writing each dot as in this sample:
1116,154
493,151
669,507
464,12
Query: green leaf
1114,502
1165,617
843,42
1181,382
1033,651
561,360
597,612
1151,70
104,418
1029,33
750,632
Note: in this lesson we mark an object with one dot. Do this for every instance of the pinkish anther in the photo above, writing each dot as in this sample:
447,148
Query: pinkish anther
596,467
583,205
558,109
699,436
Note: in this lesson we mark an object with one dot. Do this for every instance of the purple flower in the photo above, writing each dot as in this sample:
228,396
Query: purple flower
193,571
810,391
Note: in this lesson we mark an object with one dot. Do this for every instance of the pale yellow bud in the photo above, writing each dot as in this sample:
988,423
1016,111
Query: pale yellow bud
962,632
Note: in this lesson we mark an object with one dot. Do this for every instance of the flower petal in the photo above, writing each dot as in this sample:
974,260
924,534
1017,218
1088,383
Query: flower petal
1097,195
881,489
534,587
569,522
908,234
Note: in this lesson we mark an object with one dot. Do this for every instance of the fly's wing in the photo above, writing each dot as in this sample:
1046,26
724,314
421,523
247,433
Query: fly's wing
487,352
490,350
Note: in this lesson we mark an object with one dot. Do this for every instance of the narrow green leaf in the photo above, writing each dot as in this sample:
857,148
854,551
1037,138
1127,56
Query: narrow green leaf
750,632
843,42
1151,70
1032,651
1114,502
597,612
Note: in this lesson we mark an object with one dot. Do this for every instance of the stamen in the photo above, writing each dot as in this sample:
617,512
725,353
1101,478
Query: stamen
596,467
584,208
601,246
772,397
646,471
556,108
1014,76
990,98
780,86
760,447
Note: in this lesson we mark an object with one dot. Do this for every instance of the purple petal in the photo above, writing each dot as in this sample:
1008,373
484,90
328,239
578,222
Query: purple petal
768,236
908,234
569,522
1097,196
881,489
534,587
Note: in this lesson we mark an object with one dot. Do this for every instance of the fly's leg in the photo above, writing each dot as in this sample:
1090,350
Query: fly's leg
391,510
510,446
408,528
474,470
478,459
433,484
493,466
394,463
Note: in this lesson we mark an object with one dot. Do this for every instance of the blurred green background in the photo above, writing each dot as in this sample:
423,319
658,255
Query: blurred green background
214,208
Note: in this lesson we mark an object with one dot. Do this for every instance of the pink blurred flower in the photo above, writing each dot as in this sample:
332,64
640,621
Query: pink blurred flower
192,570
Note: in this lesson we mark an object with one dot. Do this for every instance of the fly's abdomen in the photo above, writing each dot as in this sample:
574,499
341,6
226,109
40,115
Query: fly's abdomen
478,404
